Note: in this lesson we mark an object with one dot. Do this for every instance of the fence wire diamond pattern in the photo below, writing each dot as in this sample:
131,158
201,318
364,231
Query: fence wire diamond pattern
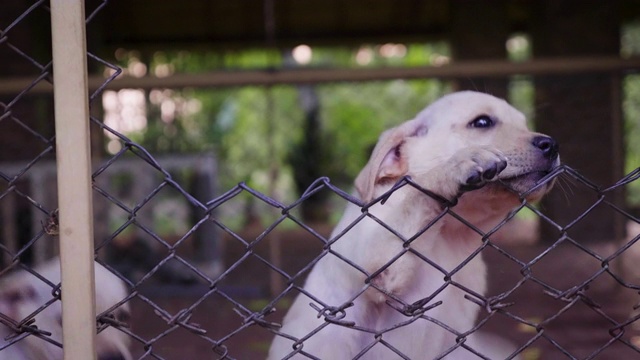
237,320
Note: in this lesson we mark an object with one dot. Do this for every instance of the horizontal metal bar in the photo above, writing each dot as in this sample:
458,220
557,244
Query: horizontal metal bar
463,69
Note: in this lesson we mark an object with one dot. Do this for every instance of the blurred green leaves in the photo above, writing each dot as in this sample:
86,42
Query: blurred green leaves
256,129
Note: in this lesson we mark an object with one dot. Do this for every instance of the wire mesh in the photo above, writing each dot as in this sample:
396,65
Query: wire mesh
563,298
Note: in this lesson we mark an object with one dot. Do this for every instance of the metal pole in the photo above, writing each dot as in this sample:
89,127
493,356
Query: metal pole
74,178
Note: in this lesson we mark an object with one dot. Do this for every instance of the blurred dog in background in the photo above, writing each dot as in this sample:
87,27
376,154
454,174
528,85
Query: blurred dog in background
22,294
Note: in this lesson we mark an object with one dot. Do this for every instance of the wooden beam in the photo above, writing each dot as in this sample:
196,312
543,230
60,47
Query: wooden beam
456,70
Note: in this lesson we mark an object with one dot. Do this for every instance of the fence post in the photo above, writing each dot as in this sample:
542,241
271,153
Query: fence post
74,177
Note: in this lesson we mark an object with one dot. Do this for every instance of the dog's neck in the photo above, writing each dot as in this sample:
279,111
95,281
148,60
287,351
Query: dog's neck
493,211
409,213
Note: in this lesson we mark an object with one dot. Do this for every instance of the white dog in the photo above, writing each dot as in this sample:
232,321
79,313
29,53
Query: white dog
22,294
376,295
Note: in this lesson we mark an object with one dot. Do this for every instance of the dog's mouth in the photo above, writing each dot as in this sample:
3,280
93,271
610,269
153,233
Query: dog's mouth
533,183
536,176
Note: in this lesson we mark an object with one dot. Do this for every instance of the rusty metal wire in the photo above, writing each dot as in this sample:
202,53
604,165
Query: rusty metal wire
240,318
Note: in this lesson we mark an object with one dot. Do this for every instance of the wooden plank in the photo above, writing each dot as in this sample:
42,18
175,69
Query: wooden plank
454,70
73,158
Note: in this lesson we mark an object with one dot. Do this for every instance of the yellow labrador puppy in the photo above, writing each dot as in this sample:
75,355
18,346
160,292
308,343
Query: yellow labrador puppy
21,294
385,303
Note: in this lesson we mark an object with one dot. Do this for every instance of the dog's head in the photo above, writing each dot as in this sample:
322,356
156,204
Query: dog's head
420,146
22,294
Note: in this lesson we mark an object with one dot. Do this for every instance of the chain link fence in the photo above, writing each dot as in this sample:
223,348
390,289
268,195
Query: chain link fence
211,291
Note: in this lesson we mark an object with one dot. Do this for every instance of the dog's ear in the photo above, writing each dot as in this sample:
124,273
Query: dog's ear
387,162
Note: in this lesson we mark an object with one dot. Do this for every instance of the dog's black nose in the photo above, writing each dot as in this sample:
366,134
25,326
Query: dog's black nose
547,145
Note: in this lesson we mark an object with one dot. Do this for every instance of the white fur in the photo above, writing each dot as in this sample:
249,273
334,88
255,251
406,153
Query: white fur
439,151
21,294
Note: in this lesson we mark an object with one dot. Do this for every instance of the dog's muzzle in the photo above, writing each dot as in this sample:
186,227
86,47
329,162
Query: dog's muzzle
545,160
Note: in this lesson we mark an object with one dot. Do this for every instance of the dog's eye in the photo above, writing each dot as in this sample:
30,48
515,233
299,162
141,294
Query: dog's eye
482,121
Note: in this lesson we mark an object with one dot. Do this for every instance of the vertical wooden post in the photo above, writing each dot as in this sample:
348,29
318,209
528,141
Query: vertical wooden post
74,178
582,112
468,44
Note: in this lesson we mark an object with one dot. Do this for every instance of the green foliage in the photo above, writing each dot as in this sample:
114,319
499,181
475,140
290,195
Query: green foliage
355,115
629,46
521,96
265,122
254,129
191,127
199,61
630,39
631,109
